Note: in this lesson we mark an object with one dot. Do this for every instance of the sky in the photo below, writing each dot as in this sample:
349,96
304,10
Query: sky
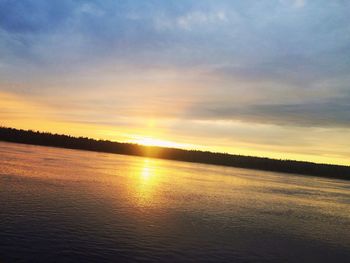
262,78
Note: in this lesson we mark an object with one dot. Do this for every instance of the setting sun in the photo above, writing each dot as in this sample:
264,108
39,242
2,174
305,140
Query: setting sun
149,141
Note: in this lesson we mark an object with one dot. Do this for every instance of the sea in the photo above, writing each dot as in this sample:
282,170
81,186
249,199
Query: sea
62,205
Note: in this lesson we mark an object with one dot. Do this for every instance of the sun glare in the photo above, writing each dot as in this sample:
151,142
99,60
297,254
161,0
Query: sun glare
149,141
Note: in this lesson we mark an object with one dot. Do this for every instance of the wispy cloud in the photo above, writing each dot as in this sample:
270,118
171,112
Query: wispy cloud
299,3
294,3
199,18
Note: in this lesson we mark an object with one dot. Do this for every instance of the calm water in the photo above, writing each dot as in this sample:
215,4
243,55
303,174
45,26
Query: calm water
59,205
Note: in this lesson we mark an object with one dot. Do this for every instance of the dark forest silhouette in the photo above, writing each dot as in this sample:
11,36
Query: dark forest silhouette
83,143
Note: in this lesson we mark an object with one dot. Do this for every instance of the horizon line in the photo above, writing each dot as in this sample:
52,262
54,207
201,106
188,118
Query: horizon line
175,148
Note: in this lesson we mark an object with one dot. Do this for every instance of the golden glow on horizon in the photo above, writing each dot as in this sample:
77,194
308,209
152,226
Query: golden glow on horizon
148,141
327,146
152,136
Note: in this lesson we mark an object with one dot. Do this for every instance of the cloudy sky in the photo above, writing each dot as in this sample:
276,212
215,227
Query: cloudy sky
266,78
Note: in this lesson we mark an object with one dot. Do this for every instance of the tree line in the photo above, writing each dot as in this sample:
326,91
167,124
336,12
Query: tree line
224,159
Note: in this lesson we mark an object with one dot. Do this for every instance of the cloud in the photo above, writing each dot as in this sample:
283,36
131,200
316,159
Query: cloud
294,3
327,113
34,17
299,3
199,18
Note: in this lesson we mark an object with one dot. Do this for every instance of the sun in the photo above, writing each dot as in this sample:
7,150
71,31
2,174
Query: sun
149,141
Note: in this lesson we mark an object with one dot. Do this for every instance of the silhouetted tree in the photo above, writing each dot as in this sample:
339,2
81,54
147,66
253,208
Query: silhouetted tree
83,143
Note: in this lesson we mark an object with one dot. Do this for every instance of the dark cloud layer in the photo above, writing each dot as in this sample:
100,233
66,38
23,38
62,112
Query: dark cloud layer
330,113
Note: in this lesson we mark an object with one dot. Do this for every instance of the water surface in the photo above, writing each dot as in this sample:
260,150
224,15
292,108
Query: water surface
59,205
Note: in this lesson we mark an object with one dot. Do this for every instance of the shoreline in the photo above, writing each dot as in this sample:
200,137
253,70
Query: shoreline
192,156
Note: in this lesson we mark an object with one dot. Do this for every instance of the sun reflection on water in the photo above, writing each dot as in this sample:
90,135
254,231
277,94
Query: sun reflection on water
147,182
146,171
